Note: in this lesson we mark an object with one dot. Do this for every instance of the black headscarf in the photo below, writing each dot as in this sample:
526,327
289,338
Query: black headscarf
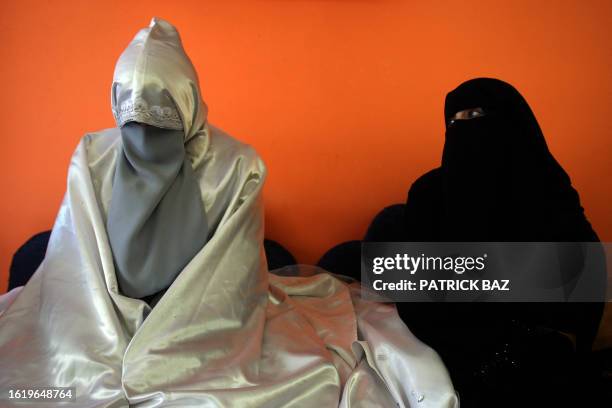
500,181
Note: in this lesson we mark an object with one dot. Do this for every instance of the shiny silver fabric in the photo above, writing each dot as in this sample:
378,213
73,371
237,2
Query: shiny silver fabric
226,333
156,221
167,96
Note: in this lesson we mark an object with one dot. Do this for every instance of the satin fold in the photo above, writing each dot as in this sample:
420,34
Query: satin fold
226,333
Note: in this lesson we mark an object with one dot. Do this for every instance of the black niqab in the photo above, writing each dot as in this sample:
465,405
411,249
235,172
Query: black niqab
500,181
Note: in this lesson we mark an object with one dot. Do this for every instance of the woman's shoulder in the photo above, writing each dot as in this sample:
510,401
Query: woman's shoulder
97,144
227,151
429,182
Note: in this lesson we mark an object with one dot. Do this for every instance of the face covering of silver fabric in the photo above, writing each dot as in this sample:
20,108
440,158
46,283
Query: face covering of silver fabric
156,220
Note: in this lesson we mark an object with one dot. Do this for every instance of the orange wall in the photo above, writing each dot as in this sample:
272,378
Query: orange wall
343,99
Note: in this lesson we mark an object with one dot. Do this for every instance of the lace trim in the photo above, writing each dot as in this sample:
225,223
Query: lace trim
155,115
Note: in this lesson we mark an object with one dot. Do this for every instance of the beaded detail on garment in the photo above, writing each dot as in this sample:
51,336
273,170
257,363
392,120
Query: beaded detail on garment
154,115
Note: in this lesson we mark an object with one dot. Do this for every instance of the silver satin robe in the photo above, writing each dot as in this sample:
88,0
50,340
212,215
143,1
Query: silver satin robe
226,333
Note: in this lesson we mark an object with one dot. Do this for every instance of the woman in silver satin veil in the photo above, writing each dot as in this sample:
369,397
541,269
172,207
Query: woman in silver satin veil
154,290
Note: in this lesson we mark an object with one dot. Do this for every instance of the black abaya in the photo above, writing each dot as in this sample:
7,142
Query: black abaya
498,182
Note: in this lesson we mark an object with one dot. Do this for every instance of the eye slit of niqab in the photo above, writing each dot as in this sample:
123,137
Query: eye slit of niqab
466,114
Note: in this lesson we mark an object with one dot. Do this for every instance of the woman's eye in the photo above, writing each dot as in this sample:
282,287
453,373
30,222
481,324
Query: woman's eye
468,114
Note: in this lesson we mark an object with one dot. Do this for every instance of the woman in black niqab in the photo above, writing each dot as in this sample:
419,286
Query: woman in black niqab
498,182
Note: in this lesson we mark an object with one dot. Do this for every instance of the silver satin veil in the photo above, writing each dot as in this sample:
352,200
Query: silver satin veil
226,333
